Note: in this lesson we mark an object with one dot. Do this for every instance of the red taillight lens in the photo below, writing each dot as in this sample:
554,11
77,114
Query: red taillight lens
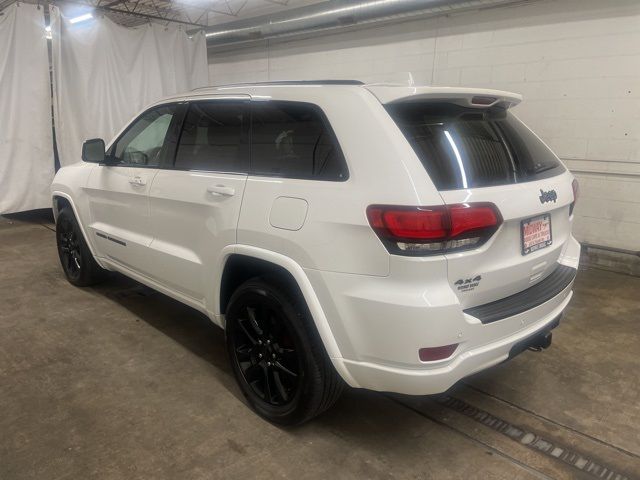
433,230
576,192
432,354
414,223
469,218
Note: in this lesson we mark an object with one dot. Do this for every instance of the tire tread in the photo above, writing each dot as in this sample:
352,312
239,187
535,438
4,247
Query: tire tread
332,383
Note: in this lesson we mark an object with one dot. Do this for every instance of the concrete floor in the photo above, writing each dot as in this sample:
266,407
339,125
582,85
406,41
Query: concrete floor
122,382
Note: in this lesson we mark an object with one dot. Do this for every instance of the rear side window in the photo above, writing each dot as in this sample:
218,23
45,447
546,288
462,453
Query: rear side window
214,137
464,147
293,139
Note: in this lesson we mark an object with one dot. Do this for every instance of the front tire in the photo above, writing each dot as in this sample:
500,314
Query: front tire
276,354
76,259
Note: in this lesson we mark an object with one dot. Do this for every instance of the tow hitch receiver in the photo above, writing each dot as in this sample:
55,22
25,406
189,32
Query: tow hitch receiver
540,342
536,342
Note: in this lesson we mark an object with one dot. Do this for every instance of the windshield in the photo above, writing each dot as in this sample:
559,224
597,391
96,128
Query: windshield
462,147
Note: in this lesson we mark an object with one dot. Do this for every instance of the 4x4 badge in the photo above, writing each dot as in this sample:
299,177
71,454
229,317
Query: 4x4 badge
550,196
468,284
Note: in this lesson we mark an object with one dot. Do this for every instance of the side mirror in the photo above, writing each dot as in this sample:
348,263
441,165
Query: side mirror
93,150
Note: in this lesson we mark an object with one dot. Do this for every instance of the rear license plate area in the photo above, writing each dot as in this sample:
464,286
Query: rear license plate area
535,233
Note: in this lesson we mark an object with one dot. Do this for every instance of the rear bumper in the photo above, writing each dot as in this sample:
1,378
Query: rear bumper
380,323
530,298
436,380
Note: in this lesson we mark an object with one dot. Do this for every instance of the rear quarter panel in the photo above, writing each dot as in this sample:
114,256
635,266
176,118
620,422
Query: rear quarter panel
383,169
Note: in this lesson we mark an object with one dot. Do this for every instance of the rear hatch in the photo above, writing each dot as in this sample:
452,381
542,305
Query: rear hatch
476,151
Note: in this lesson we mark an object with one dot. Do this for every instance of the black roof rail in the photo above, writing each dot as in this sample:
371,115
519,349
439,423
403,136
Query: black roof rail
290,82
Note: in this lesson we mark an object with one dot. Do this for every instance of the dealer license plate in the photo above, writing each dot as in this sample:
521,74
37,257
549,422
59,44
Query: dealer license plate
536,233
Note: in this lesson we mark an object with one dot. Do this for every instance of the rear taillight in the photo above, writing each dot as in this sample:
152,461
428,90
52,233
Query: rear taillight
421,231
576,192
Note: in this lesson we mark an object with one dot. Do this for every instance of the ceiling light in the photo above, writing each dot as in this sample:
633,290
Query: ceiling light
81,18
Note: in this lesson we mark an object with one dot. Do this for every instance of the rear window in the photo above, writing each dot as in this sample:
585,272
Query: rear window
463,147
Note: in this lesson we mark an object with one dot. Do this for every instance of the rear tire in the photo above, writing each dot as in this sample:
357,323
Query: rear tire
276,354
76,259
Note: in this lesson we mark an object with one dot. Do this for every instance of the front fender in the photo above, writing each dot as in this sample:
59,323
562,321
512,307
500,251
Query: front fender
60,194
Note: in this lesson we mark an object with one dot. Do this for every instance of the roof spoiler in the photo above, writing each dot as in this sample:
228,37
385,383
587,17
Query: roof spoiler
468,97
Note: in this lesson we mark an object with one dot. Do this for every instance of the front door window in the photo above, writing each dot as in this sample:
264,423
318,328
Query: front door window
141,144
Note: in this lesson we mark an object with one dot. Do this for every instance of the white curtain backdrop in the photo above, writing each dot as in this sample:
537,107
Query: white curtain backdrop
104,74
26,148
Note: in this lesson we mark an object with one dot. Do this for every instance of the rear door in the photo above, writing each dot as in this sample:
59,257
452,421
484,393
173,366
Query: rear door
487,155
195,203
117,191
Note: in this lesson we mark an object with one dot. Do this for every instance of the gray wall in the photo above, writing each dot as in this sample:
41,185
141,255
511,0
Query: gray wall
577,63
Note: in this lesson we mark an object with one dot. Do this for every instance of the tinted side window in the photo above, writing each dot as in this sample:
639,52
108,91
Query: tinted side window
142,143
214,137
292,139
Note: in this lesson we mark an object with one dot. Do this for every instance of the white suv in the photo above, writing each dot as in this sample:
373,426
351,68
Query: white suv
387,237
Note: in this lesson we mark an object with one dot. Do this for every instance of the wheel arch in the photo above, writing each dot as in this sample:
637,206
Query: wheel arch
241,262
61,200
239,268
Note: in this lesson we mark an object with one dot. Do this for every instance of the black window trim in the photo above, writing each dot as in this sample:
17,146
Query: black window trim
174,133
246,137
165,154
326,124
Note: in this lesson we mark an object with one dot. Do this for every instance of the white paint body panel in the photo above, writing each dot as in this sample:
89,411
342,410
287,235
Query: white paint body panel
191,226
118,199
373,310
288,213
503,268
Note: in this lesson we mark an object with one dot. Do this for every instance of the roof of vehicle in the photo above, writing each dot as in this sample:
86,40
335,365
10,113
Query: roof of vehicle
386,93
289,82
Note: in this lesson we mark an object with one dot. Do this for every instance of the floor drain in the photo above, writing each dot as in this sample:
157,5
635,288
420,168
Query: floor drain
533,441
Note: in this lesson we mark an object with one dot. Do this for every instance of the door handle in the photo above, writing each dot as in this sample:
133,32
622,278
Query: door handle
137,181
221,190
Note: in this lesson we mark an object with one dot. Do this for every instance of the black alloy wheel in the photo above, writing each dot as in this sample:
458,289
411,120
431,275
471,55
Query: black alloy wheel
276,353
265,352
76,259
69,249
